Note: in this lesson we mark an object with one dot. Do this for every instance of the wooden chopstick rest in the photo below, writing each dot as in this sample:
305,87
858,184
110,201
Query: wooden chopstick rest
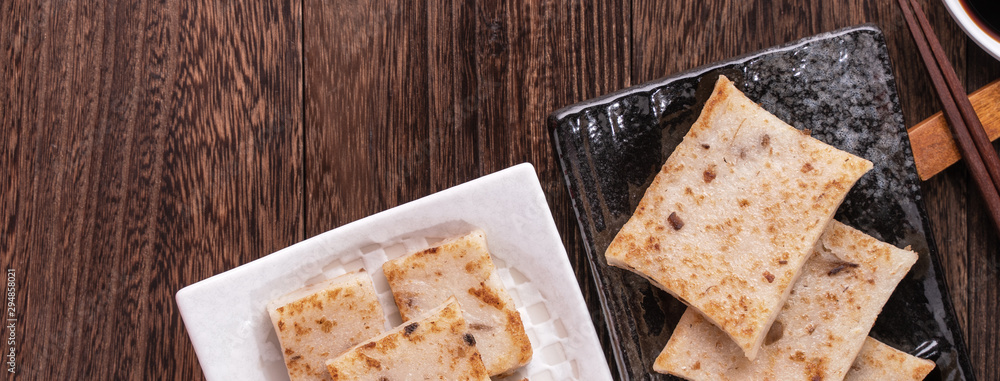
934,149
973,142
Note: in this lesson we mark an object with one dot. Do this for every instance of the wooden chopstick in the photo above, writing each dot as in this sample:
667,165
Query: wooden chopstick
972,121
968,130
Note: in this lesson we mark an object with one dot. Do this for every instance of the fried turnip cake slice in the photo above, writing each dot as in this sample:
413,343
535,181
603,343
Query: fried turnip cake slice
821,327
436,346
462,268
878,361
733,214
317,323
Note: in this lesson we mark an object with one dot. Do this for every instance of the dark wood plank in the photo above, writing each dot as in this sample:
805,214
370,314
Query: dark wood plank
452,115
231,158
531,84
68,111
344,99
672,39
403,141
142,168
110,215
493,53
591,49
983,291
945,200
13,35
16,56
37,165
150,145
983,253
366,106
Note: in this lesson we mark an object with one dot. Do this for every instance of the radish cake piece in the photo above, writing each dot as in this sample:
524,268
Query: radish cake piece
317,323
821,328
437,346
878,361
733,214
462,268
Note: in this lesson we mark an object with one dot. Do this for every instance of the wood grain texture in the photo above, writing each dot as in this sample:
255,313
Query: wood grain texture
983,250
231,157
673,39
146,145
346,75
452,117
365,63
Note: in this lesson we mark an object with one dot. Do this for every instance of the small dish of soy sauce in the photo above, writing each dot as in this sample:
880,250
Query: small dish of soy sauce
980,19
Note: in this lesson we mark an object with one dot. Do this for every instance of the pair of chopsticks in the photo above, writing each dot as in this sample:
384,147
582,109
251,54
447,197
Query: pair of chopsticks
972,140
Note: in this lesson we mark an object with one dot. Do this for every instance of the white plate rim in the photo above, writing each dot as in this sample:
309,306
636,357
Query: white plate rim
195,302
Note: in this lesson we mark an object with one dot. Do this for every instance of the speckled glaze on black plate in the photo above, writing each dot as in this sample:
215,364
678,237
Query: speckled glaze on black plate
840,86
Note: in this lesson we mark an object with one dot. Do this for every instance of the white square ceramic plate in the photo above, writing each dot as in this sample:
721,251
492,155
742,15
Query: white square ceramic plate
226,314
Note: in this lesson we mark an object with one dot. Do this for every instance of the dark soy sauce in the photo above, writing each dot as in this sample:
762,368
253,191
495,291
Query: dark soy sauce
986,14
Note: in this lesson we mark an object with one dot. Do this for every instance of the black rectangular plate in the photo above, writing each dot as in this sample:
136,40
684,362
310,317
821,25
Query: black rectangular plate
840,86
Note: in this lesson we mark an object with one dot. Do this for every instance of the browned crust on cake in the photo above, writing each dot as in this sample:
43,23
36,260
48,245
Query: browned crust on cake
878,361
821,328
443,329
787,212
462,267
318,322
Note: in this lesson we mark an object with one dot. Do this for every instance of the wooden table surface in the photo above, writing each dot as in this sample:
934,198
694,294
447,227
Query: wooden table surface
147,145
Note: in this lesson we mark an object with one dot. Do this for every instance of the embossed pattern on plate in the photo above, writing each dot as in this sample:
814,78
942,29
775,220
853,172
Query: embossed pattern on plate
228,324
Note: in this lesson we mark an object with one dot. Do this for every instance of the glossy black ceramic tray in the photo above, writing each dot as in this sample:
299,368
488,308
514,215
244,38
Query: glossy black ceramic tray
840,86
